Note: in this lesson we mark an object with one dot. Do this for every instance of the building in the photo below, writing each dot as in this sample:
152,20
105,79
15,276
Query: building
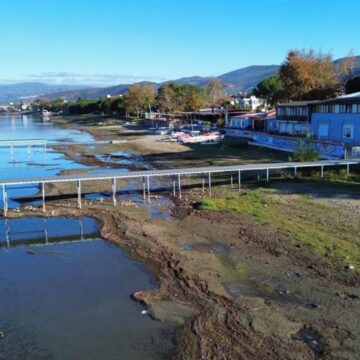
292,118
251,103
337,120
250,121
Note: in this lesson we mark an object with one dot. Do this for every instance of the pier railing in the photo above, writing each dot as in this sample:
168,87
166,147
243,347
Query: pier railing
146,176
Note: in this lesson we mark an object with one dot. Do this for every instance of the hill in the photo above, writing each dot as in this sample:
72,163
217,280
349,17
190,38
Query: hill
237,80
16,92
356,70
242,79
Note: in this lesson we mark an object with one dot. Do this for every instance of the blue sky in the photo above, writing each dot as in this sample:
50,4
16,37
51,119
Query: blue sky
105,42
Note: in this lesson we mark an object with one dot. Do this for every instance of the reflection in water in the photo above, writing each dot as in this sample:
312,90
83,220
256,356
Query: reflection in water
73,301
42,232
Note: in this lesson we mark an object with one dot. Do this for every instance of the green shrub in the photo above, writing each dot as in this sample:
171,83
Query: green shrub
305,153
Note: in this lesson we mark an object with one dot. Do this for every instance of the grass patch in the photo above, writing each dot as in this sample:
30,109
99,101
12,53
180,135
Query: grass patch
325,230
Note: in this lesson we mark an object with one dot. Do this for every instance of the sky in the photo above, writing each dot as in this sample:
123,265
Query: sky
107,42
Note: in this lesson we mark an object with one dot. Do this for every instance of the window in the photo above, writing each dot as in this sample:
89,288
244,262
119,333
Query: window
348,131
323,130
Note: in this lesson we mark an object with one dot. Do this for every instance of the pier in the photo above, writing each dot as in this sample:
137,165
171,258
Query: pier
26,143
235,171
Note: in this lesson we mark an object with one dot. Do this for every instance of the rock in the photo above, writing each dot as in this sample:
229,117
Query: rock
144,312
138,296
2,334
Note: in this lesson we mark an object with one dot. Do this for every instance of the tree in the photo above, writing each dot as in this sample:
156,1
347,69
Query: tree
193,99
346,66
148,96
353,85
117,105
271,88
215,93
165,98
134,99
189,97
175,97
307,73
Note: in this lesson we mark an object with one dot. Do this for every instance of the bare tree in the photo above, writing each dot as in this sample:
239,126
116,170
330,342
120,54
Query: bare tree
215,93
346,66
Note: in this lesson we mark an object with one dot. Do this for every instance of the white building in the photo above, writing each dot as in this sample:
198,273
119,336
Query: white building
252,103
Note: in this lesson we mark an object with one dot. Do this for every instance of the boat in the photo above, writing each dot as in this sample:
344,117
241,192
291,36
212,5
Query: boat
200,138
162,131
210,142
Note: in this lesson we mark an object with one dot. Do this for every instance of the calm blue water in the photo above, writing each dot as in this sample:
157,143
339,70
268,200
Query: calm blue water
71,299
16,127
22,164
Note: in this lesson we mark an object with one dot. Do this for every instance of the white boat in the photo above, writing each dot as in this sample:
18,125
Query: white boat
176,134
162,131
200,138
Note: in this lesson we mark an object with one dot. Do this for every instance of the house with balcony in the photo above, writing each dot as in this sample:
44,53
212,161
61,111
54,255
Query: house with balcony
292,118
337,120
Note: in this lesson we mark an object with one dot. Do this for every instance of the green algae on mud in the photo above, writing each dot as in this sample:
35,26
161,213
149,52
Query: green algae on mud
315,225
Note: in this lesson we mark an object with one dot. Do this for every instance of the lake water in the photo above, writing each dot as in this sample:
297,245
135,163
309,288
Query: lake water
22,164
64,292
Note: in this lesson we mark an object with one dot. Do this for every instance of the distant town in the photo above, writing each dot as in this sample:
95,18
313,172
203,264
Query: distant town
294,108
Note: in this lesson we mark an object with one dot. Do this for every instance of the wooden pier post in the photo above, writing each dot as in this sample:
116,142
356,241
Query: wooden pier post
179,183
231,182
7,233
81,225
114,190
174,188
144,188
5,203
347,169
295,171
46,231
267,175
203,184
79,193
322,171
239,180
210,183
43,196
148,187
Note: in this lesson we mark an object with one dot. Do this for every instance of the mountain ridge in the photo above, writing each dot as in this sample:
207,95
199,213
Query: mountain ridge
236,80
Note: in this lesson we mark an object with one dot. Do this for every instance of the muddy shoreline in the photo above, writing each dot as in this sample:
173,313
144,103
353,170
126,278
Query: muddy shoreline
236,289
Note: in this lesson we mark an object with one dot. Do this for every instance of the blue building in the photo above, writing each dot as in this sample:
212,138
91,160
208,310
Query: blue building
337,120
291,118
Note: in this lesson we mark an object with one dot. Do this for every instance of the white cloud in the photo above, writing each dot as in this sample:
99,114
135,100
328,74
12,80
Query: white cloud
88,79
